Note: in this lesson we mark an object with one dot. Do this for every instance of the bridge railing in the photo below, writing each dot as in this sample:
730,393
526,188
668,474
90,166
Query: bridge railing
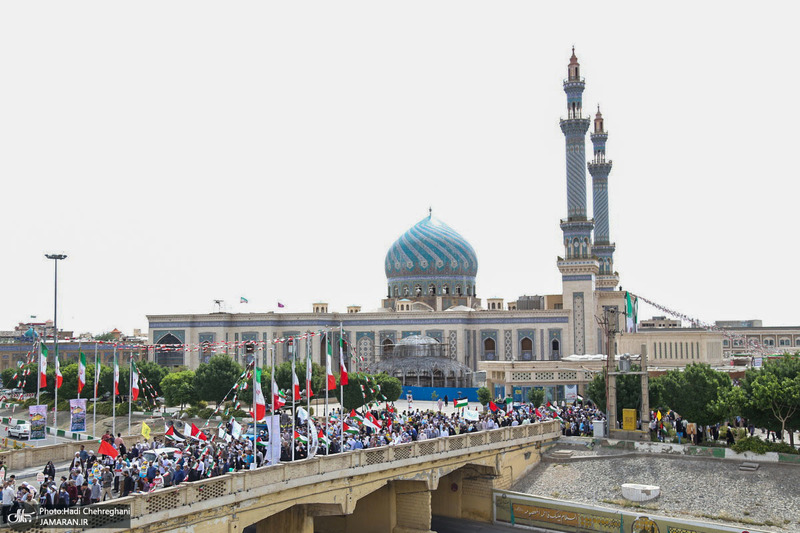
296,473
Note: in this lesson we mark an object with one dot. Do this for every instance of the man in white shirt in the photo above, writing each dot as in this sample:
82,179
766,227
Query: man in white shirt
8,499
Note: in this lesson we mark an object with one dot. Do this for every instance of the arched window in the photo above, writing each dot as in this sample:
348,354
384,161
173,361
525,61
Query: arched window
555,349
445,289
431,290
405,290
489,349
526,346
458,290
387,347
417,290
396,292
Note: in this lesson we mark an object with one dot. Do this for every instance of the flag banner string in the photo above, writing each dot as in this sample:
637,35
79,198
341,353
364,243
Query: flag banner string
750,344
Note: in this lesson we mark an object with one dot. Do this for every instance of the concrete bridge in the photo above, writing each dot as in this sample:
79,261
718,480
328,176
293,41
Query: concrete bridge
389,489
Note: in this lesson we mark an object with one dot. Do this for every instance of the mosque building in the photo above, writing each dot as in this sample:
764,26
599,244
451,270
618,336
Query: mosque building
432,329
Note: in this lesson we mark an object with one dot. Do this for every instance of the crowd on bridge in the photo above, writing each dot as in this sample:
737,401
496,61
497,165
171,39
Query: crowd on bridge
118,469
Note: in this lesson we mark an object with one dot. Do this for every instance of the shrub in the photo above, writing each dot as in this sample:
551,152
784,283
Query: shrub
756,445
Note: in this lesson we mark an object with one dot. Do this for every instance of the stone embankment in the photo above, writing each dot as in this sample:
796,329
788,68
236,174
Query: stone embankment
691,486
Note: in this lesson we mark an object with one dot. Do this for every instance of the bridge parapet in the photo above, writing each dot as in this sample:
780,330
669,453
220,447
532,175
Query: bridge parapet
228,489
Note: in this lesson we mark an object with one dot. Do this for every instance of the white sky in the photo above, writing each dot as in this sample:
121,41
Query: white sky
181,152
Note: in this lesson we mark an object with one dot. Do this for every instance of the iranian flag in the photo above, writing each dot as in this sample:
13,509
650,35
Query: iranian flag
460,402
258,394
631,312
328,372
342,368
309,370
295,383
42,365
116,377
134,381
81,372
300,438
277,397
349,429
59,379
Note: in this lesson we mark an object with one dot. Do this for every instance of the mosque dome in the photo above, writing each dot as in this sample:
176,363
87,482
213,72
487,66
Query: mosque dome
431,259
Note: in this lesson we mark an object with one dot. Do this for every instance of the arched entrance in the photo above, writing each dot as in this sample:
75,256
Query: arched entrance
166,355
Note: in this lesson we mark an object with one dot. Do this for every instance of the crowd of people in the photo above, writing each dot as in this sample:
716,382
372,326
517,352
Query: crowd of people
148,465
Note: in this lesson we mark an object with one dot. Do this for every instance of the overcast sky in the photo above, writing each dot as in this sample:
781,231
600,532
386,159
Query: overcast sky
182,152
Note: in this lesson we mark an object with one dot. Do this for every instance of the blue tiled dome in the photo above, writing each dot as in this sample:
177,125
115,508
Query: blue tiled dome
431,253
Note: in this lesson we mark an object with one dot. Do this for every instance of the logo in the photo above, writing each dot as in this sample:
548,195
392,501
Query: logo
22,517
644,525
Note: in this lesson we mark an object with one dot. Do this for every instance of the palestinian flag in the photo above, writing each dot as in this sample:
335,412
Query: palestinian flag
579,398
81,372
323,438
493,406
460,402
349,429
371,421
170,433
552,407
300,438
357,417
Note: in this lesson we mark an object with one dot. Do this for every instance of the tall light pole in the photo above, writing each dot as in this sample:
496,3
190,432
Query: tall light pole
56,258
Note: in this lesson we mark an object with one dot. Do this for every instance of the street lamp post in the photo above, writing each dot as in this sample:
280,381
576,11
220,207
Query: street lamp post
56,258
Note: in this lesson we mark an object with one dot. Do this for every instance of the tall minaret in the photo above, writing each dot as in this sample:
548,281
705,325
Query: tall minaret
578,266
599,168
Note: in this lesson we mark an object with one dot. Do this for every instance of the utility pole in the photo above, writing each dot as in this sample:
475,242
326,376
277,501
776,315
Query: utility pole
610,326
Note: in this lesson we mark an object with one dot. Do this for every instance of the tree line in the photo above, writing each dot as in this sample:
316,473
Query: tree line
768,397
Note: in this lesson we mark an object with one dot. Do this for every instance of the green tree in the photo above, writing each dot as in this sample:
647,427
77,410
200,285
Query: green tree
107,337
353,397
178,388
391,387
778,396
629,391
536,396
695,392
213,380
154,373
484,396
787,367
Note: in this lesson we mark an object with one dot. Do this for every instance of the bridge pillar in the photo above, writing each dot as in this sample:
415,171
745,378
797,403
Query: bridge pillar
412,507
292,520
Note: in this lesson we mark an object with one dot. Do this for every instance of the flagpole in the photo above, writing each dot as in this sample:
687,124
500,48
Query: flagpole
308,387
327,366
114,396
79,364
130,391
272,394
341,393
96,373
39,374
294,376
55,406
